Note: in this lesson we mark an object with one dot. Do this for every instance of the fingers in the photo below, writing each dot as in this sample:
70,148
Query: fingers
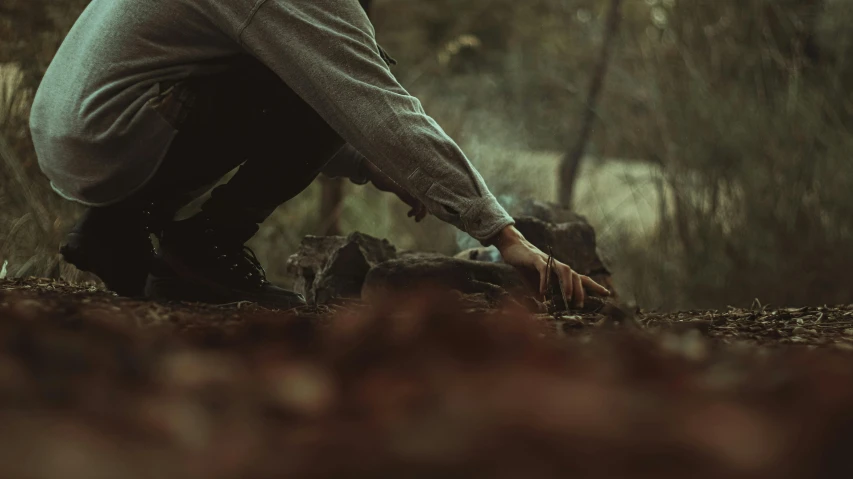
422,213
526,256
542,267
572,285
568,283
579,294
418,212
594,287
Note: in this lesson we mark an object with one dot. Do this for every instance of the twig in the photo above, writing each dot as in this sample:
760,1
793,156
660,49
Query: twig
844,325
548,272
559,279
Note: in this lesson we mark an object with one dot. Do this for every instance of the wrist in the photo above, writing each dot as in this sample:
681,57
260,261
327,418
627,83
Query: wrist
506,237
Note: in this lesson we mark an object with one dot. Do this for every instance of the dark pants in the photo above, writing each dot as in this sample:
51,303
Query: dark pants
246,116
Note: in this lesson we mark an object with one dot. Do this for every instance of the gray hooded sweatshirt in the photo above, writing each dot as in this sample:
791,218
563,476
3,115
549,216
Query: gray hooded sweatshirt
99,140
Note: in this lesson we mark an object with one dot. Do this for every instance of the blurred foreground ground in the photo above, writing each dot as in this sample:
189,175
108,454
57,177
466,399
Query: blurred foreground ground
92,386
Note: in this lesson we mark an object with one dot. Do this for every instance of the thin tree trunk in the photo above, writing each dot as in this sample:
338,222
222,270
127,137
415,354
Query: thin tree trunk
331,205
571,161
332,190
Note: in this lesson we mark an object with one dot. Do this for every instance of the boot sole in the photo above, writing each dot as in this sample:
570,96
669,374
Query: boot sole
187,286
74,253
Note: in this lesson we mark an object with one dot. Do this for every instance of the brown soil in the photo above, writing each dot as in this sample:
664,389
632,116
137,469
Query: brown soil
94,386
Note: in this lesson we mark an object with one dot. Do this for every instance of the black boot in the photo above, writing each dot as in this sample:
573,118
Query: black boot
205,261
114,244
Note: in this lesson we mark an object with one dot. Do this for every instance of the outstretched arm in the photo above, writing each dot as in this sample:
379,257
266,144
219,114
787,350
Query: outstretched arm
349,163
326,51
519,252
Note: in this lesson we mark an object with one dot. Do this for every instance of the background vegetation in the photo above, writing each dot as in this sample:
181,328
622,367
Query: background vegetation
728,120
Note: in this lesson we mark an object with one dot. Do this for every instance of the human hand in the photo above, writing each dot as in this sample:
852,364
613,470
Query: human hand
526,257
383,183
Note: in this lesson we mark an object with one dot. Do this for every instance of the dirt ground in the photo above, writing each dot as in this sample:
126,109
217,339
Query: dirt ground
433,385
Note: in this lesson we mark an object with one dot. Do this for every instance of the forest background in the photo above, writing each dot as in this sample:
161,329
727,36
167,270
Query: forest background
717,170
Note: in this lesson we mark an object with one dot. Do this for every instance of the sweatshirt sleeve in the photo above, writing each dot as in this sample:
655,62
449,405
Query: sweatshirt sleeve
326,51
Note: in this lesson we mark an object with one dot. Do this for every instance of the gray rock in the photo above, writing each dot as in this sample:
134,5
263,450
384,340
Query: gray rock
545,211
327,268
412,273
313,253
571,235
551,226
572,243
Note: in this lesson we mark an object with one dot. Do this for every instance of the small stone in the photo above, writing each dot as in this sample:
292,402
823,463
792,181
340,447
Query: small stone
848,332
799,331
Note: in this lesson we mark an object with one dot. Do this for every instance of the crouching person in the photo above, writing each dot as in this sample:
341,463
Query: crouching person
148,104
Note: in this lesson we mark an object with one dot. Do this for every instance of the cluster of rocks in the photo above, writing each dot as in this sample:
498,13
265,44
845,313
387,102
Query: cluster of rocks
331,268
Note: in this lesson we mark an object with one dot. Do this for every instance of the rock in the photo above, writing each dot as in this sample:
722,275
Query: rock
313,253
412,273
545,211
419,254
570,236
334,267
488,254
569,233
326,268
572,243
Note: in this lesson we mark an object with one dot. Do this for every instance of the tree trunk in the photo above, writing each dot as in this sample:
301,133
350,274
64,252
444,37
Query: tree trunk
571,161
331,206
332,195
